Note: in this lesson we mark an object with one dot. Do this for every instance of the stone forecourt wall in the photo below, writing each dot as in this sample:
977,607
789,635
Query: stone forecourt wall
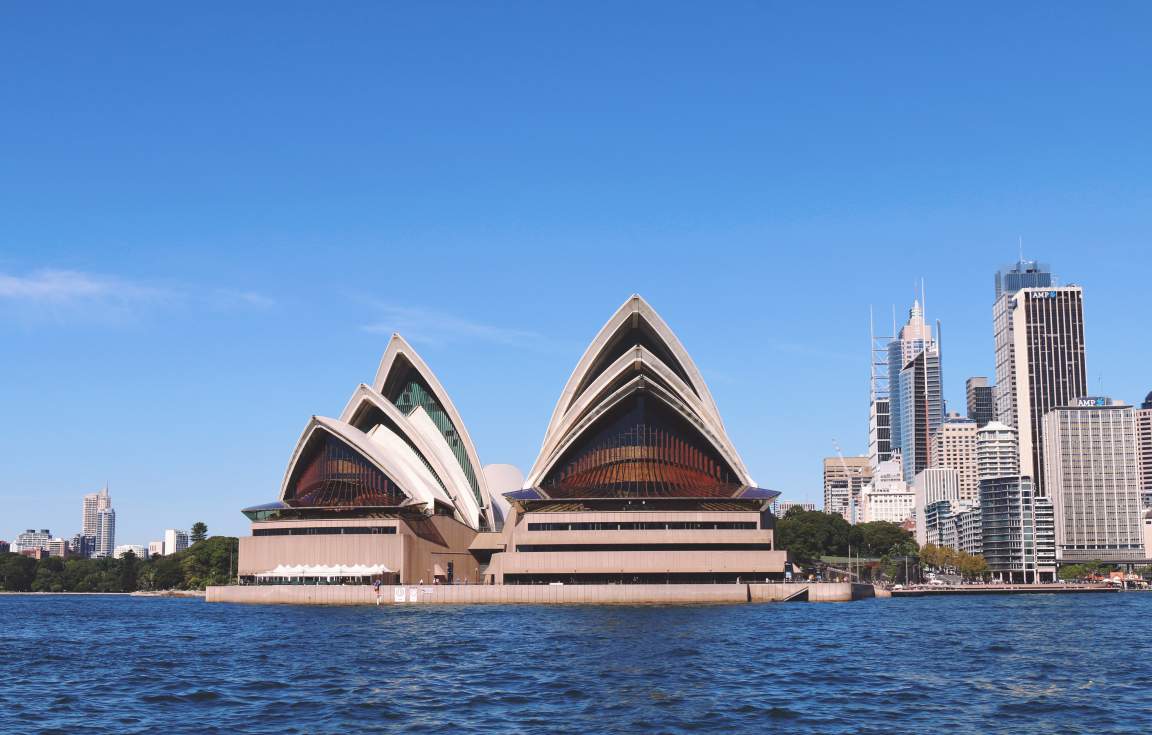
629,594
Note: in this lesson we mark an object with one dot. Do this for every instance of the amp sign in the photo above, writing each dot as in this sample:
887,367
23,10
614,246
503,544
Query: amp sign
1091,402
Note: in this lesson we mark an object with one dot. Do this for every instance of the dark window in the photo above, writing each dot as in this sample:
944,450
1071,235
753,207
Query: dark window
648,578
646,526
324,531
644,547
641,448
333,474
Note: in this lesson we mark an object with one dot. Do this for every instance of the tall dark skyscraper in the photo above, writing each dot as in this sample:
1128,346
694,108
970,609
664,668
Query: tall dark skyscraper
1024,274
981,405
915,400
1043,362
921,406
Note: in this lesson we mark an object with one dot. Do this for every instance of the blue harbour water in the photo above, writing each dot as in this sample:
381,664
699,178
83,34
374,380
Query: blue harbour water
1022,664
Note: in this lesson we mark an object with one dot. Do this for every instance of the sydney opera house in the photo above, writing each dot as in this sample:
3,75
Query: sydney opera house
636,482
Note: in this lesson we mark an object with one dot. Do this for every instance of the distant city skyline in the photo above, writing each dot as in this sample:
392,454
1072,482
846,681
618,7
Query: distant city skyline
198,251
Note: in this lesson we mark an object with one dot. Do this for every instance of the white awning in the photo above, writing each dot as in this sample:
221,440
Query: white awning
320,570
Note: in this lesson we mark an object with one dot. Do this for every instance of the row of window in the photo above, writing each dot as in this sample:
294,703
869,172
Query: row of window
643,547
324,531
647,526
649,578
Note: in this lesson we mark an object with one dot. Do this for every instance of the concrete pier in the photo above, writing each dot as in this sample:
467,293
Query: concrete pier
625,594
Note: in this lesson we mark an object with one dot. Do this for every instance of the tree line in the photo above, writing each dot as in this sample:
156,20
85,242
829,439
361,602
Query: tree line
969,566
811,535
208,561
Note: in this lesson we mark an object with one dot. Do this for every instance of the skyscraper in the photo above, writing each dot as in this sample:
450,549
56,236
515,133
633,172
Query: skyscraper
954,447
1144,441
1008,530
921,408
981,404
880,405
93,502
1024,274
1016,528
105,532
1093,480
1041,365
912,339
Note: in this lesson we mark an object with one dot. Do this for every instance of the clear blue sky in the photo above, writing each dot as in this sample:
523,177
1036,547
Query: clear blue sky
211,217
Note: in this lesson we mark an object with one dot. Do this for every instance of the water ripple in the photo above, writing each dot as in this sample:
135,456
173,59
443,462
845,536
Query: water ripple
1035,664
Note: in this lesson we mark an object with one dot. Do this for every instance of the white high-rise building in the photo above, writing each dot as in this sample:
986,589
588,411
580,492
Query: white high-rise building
105,532
933,485
997,451
1093,479
174,540
31,540
137,549
954,447
155,548
887,497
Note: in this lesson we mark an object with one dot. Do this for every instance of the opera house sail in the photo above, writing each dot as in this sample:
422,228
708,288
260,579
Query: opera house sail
390,490
637,480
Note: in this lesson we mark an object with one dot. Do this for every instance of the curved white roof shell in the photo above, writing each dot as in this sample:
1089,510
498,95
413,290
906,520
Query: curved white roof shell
410,448
635,350
398,357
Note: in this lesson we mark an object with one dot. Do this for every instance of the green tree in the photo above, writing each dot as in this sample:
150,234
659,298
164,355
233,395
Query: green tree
902,562
129,570
972,566
16,573
166,573
812,534
930,555
199,532
949,558
877,537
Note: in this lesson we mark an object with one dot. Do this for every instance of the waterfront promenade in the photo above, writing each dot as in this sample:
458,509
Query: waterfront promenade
1003,589
622,594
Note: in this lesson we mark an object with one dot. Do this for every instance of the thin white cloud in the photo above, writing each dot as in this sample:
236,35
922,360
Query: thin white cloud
228,298
68,296
62,286
419,324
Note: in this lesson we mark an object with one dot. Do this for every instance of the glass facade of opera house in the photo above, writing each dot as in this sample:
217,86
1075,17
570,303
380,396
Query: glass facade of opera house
636,482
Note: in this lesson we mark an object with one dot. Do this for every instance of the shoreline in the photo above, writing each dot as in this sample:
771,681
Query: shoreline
159,593
606,594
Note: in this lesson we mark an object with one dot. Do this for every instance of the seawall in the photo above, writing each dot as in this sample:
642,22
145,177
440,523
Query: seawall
627,594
